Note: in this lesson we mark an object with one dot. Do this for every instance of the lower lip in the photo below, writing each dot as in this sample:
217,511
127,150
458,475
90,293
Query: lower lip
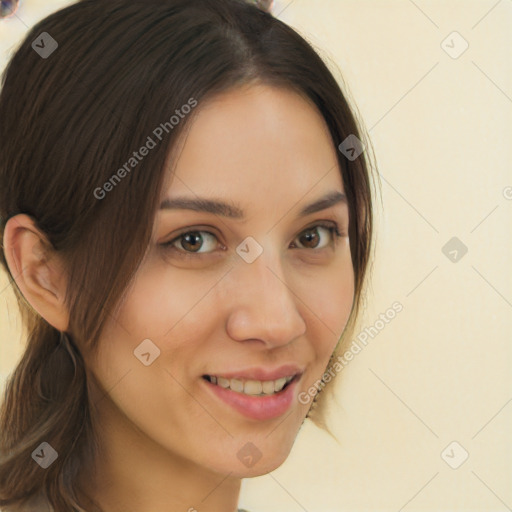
257,407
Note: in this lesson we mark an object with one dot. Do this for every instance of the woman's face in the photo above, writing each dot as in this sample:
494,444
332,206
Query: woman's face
250,295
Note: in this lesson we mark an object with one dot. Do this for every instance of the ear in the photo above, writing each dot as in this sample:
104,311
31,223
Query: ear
36,269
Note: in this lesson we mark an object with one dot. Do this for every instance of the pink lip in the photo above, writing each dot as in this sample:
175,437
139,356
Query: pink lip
260,373
256,407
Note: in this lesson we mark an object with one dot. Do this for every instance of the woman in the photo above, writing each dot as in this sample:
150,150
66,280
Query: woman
188,245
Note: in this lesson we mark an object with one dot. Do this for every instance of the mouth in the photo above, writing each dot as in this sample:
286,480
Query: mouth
255,399
255,388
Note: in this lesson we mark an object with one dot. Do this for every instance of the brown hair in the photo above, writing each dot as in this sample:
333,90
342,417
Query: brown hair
122,67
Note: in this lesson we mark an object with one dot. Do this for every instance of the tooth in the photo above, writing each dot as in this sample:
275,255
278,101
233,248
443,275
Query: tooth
268,387
222,382
252,387
279,384
236,385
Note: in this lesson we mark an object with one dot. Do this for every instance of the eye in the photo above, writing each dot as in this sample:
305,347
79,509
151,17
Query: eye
310,238
192,242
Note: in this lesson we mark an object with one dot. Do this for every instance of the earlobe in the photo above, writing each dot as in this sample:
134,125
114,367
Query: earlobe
36,269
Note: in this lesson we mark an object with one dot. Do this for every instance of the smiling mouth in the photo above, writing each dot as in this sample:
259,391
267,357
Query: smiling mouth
252,387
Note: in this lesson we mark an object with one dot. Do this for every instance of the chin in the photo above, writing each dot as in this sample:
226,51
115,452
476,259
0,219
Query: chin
256,458
265,469
260,468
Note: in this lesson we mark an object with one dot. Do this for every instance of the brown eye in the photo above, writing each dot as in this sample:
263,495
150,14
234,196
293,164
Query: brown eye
312,237
192,242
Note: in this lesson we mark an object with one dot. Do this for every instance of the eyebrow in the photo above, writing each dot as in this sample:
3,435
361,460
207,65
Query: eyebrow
233,211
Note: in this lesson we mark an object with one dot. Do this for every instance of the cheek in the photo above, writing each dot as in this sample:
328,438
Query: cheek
166,308
173,309
162,301
150,397
170,311
329,304
329,299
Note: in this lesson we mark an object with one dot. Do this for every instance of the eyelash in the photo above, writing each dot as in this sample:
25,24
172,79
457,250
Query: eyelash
332,227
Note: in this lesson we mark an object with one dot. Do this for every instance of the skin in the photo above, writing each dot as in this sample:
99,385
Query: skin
166,442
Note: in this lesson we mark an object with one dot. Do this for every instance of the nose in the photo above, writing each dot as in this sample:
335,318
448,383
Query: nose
264,307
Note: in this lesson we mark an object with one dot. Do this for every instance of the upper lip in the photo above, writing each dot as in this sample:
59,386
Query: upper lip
261,373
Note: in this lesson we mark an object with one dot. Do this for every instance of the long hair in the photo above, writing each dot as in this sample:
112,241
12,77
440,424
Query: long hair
113,71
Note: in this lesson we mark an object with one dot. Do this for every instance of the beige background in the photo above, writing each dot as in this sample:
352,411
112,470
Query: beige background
440,371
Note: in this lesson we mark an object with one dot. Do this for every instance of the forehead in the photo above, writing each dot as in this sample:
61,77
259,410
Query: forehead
256,139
